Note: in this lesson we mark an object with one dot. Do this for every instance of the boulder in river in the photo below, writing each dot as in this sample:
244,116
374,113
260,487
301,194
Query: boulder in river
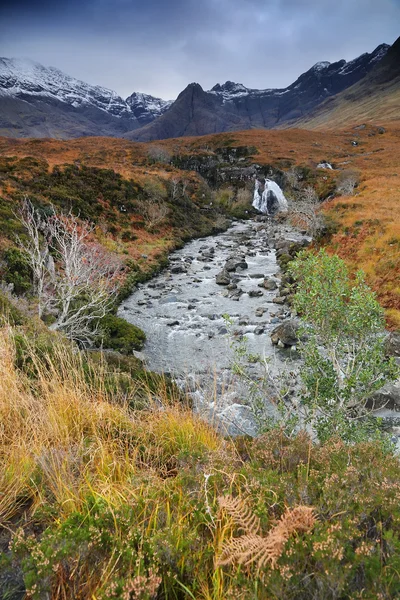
286,333
223,278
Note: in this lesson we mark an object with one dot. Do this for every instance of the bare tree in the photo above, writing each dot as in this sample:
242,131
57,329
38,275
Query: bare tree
158,154
155,212
79,288
305,211
347,181
37,249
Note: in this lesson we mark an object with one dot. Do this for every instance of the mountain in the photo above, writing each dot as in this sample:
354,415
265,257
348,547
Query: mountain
38,101
232,106
376,97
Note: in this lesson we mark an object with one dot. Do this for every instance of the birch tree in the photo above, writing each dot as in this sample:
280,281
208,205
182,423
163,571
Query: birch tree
78,286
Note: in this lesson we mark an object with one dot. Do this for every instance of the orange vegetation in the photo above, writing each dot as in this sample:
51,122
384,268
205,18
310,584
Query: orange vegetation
369,221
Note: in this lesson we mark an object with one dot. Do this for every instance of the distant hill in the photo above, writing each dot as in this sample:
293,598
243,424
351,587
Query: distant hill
38,101
376,98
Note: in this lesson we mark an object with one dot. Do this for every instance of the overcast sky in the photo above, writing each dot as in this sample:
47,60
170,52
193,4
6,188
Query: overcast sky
160,46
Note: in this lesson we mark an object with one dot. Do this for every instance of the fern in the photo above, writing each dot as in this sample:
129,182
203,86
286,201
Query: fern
252,548
241,514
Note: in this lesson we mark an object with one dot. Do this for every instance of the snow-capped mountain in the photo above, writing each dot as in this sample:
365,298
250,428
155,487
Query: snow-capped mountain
145,108
232,106
38,101
85,109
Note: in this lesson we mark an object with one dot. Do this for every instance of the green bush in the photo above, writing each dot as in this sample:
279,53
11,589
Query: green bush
118,334
18,270
9,313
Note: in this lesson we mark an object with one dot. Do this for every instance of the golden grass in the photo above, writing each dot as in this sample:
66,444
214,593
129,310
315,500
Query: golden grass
64,438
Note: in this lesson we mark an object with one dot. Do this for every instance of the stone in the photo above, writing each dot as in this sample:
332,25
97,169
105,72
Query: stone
172,323
387,397
232,286
279,300
223,278
259,330
260,311
270,284
177,269
393,344
254,293
169,300
222,331
285,334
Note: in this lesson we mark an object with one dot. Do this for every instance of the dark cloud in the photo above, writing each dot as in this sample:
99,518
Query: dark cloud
159,46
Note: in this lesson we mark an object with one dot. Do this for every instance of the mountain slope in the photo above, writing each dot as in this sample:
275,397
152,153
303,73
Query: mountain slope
40,101
375,98
232,106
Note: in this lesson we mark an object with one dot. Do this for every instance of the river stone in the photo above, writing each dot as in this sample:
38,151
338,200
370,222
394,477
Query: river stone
270,284
175,269
387,397
286,334
260,311
232,286
256,275
279,300
223,278
172,323
393,344
254,293
259,330
169,300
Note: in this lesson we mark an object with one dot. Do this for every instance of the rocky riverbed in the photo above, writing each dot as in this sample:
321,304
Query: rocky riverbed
183,313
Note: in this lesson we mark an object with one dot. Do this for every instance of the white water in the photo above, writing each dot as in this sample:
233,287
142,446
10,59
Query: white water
269,200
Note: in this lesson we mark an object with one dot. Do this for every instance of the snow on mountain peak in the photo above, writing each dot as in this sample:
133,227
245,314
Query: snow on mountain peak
29,80
320,66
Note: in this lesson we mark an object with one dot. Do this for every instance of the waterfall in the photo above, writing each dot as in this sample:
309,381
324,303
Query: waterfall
271,199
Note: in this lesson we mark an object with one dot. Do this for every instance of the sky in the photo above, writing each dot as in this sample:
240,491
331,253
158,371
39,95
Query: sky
160,46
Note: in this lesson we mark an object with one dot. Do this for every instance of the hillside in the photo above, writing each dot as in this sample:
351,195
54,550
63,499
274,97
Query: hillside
374,99
368,221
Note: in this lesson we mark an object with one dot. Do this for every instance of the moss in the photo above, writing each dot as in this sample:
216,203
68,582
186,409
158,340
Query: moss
118,334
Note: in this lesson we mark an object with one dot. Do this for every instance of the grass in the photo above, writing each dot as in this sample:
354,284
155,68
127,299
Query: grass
101,500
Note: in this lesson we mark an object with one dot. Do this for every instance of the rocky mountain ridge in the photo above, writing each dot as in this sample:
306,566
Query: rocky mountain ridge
38,101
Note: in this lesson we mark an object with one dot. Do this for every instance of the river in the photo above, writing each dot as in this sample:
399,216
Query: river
183,313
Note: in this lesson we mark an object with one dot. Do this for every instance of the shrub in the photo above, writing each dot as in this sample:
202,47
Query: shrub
18,270
118,334
344,350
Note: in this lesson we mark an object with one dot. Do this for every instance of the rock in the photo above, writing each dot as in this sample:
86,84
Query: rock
222,331
393,344
177,269
243,322
270,284
286,334
169,300
223,278
387,397
259,330
255,275
279,300
191,307
260,311
235,263
232,286
254,293
172,323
